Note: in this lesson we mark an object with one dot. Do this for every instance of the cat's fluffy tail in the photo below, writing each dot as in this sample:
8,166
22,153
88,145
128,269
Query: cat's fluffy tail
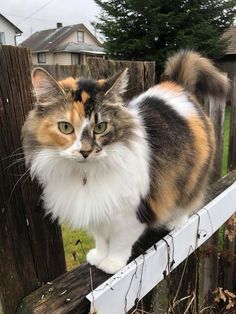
197,75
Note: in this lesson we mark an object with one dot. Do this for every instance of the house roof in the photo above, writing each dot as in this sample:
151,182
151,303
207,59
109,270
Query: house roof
80,47
231,34
50,39
18,31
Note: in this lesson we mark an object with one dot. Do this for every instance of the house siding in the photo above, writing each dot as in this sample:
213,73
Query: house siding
8,31
63,58
73,38
50,59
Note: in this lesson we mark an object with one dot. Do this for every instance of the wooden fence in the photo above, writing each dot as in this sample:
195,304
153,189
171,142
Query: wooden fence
31,248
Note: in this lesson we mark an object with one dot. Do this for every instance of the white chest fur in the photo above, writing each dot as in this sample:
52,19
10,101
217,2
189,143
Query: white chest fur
114,184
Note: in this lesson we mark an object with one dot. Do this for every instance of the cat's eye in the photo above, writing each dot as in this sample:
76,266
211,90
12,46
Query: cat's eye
65,127
100,128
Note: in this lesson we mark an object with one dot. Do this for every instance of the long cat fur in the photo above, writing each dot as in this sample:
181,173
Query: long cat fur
151,165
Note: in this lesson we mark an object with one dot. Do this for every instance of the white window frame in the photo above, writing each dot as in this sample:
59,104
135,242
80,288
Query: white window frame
2,38
41,57
80,36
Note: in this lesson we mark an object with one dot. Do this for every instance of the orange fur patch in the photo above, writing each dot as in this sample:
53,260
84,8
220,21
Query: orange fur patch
101,83
171,86
202,149
166,194
68,84
49,135
84,96
78,108
163,206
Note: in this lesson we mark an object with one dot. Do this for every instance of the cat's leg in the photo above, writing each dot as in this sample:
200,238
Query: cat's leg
124,232
96,255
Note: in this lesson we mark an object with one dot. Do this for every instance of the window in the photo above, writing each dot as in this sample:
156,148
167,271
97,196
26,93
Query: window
41,57
75,58
2,38
80,37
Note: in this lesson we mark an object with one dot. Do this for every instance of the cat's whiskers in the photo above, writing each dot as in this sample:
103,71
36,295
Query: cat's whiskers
16,162
12,155
21,177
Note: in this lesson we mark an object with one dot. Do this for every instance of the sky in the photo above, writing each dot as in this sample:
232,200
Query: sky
34,15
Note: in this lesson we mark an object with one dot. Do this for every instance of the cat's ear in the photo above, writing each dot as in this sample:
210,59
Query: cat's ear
116,85
45,86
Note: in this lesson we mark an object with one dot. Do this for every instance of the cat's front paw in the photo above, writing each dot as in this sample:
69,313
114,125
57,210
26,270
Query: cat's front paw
111,266
95,257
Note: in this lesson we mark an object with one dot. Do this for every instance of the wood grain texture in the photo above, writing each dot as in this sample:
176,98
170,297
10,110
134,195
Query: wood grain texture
228,256
232,134
31,249
66,294
210,261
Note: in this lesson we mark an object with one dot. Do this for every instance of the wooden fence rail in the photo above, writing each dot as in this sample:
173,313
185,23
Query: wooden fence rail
31,248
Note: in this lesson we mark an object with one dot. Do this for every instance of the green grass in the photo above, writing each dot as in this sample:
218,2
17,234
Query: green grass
75,254
226,141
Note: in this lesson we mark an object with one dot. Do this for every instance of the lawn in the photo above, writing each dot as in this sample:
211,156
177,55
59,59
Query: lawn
76,245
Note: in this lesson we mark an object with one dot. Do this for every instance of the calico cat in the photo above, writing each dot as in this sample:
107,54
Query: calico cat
116,168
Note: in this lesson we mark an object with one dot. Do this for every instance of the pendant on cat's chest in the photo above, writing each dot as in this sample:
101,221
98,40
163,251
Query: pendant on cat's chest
84,180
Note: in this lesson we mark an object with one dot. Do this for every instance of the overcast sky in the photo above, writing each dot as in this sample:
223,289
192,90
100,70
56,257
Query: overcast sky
23,13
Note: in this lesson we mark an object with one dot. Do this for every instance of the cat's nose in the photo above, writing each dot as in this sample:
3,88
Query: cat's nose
85,153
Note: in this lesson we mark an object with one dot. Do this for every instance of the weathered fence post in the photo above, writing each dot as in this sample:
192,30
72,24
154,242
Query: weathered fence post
232,135
209,280
229,271
31,249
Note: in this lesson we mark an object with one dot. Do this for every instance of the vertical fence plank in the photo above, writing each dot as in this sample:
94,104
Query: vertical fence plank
228,256
217,115
209,281
31,250
232,136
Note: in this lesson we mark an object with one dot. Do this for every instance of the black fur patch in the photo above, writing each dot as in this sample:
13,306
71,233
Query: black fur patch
164,126
148,238
168,136
108,138
90,87
145,214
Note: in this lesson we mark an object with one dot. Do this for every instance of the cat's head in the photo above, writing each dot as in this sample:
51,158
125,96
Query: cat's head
77,119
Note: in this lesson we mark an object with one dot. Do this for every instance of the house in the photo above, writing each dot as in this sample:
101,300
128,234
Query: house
68,45
8,32
227,64
230,33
